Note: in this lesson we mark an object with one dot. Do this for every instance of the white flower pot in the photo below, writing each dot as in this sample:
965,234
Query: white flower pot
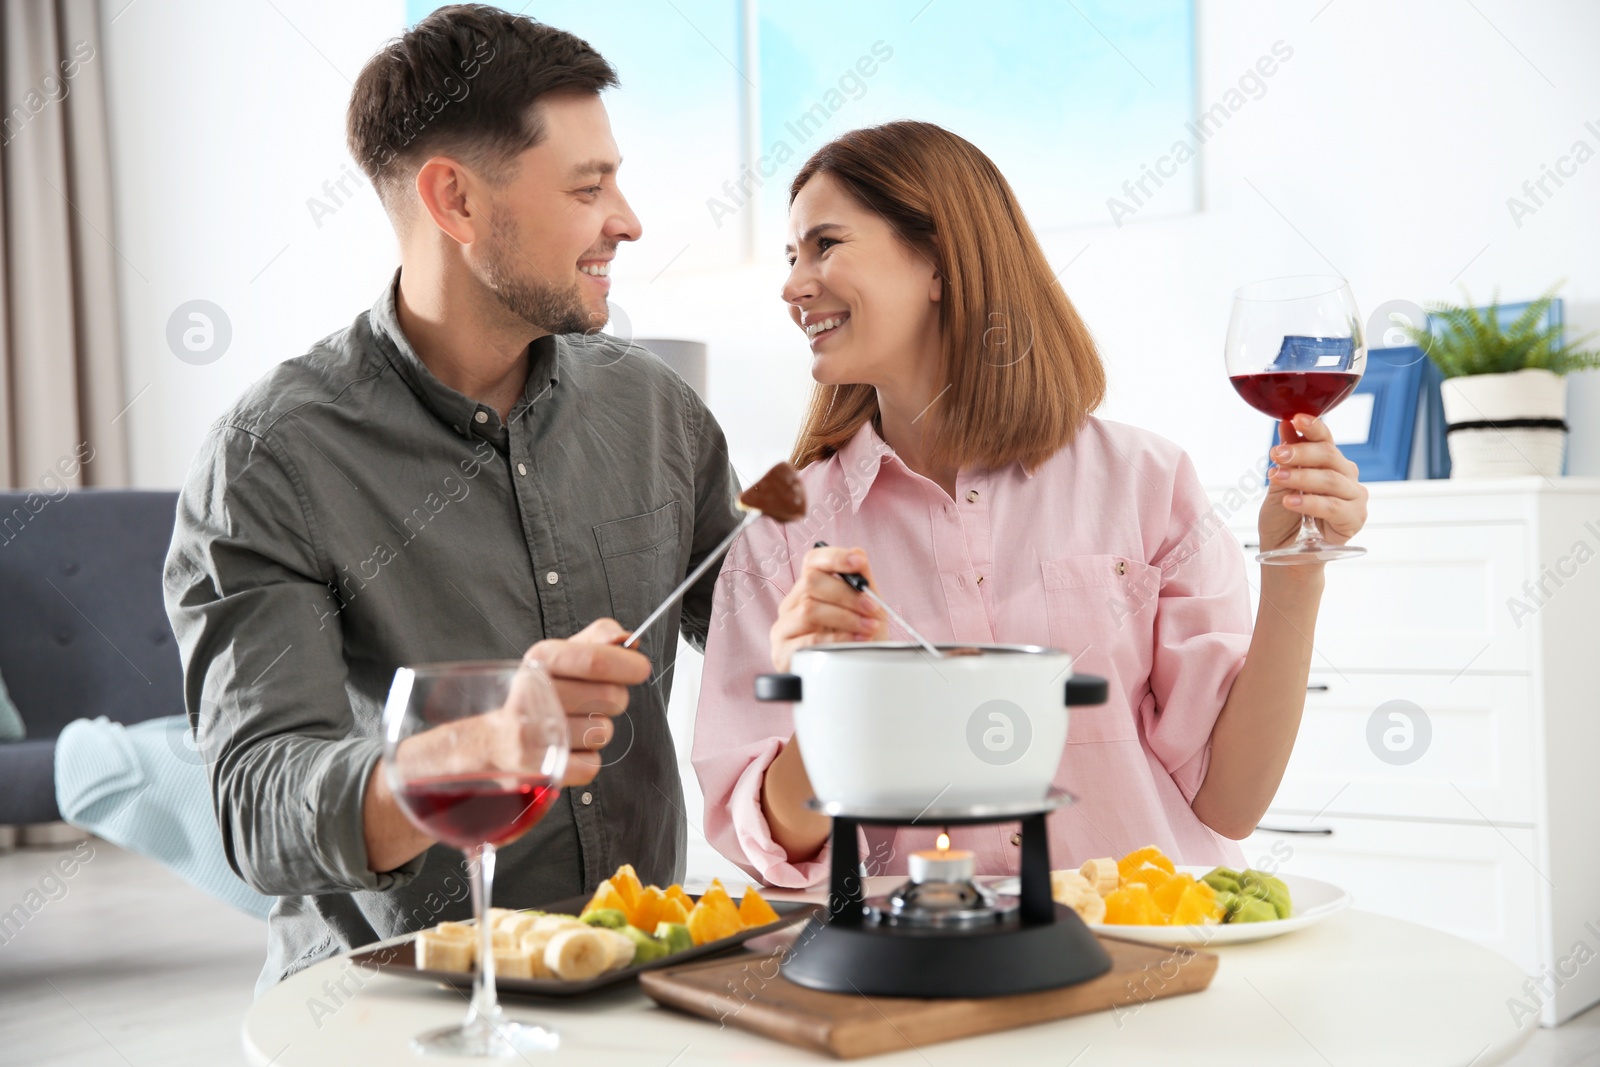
1505,425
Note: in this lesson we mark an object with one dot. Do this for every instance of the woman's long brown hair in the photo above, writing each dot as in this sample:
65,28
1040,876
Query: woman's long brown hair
1021,367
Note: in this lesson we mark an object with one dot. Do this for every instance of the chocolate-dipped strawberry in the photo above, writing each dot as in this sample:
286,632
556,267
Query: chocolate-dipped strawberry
778,495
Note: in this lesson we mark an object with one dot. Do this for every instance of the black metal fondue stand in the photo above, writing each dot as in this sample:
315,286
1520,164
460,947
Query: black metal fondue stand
941,934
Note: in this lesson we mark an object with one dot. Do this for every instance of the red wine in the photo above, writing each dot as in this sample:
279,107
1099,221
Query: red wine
471,810
1285,394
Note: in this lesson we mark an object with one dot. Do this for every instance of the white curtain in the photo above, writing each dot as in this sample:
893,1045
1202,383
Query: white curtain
61,391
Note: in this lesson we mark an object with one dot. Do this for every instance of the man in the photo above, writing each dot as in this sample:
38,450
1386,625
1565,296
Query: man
463,473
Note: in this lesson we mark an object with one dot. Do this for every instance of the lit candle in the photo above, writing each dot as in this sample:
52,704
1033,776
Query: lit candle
942,864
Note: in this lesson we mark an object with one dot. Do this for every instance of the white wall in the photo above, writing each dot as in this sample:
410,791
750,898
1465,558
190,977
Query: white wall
225,120
1385,149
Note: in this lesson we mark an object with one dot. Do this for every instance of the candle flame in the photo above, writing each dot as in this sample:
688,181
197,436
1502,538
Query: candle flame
944,842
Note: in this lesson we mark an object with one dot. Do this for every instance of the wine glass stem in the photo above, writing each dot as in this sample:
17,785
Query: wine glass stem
1310,533
485,1012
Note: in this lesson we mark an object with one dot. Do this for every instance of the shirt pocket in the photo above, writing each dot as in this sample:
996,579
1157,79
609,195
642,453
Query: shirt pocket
1102,610
640,558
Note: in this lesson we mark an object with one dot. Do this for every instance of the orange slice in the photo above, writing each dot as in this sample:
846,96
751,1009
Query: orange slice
714,917
754,909
1140,857
1171,891
627,882
1133,906
716,896
606,896
1197,907
647,909
673,911
1153,878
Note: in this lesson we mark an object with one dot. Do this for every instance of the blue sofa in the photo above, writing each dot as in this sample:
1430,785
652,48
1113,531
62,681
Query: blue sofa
83,629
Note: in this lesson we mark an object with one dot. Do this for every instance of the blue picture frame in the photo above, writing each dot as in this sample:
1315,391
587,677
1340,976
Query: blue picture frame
1393,379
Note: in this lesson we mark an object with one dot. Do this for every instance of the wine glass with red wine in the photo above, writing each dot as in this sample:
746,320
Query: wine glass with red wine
474,753
1295,348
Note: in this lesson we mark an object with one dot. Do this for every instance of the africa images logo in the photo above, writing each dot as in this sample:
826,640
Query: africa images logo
998,732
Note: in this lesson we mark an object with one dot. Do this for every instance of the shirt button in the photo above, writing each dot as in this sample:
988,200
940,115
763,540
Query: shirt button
1016,839
481,417
521,469
1122,567
587,798
972,496
552,578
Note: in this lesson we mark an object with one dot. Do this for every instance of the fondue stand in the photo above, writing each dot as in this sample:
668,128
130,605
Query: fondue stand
941,934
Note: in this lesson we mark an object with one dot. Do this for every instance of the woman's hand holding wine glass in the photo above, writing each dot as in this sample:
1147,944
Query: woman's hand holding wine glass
1312,478
1294,351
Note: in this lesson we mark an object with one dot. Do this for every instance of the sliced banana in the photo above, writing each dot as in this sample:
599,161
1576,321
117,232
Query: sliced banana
553,923
578,952
438,951
533,946
515,924
1091,908
1067,886
1076,892
622,948
1102,874
512,962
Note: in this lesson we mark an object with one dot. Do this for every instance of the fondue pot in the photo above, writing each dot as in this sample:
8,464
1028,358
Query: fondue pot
887,727
892,735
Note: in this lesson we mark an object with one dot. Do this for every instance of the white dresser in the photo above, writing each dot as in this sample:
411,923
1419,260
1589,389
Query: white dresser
1479,816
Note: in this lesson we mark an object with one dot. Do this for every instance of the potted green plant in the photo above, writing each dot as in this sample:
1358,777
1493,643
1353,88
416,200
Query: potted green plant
1505,387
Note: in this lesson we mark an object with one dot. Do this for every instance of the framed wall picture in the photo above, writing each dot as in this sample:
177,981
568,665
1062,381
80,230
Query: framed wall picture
1375,425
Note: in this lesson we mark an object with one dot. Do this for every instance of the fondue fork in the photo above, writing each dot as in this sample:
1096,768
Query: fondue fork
859,584
777,494
695,575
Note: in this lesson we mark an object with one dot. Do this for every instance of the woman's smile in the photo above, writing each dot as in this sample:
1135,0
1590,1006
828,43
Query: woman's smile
819,326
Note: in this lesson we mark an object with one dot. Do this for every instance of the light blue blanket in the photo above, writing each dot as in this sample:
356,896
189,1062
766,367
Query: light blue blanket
145,788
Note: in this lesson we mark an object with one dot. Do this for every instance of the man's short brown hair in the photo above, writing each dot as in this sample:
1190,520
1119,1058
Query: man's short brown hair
462,81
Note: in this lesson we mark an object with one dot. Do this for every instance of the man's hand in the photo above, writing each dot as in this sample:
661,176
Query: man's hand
591,676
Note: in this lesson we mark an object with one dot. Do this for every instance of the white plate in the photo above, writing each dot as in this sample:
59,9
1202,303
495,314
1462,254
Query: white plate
1313,901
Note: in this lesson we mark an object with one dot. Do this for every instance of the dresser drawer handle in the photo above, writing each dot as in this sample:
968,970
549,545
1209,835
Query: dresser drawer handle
1320,687
1319,831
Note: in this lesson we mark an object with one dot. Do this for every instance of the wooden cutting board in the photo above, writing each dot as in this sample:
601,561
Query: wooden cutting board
746,991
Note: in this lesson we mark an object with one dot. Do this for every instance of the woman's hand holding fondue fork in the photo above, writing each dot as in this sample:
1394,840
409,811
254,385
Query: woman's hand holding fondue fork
820,609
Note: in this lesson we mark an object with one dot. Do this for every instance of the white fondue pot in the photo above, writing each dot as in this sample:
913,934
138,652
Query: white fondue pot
889,727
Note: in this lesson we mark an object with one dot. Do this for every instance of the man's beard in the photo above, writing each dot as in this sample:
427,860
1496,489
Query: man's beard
534,300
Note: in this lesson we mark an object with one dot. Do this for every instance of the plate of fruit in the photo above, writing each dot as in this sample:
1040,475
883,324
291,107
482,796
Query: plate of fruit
1145,897
584,943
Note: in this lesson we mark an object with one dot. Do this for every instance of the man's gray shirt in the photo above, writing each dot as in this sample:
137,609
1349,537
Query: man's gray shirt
352,514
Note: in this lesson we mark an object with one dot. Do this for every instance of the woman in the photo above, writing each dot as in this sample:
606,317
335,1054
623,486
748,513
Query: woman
949,439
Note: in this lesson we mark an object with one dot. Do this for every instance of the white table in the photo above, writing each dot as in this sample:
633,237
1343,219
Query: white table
1356,989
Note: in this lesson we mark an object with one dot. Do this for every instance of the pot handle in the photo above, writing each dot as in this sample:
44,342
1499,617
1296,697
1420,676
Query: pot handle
1086,689
775,688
